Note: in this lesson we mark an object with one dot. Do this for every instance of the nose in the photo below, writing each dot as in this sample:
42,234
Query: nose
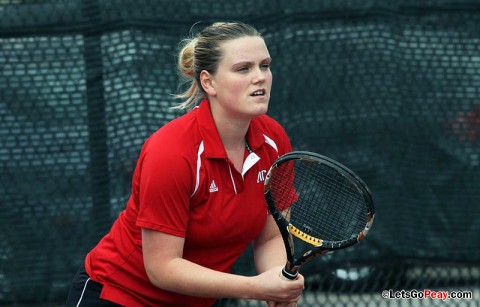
259,76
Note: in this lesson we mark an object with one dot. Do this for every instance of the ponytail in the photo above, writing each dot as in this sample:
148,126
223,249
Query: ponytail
186,67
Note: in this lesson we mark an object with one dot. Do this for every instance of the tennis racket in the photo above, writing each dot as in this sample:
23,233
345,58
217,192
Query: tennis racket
317,203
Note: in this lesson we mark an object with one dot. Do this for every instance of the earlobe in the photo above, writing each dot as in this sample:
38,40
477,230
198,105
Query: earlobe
207,83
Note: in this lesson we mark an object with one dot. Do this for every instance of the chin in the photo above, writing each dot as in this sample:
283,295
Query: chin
261,109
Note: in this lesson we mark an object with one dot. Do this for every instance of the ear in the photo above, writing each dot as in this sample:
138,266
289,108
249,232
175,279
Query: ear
207,83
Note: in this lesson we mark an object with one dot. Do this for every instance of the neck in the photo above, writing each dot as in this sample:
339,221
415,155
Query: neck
232,130
232,141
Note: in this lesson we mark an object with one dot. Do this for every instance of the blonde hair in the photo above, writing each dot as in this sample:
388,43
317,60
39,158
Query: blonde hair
202,52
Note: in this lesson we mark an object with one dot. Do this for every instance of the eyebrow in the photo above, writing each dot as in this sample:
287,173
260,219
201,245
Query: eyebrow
249,63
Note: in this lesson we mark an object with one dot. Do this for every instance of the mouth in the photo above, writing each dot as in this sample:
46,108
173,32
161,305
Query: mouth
260,92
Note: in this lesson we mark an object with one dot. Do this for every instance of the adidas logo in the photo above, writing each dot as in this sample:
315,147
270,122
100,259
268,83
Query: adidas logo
213,187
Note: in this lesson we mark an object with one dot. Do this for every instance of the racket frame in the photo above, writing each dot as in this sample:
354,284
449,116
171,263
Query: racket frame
288,231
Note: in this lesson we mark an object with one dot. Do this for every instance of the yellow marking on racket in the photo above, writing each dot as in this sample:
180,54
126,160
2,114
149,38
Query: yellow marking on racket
303,236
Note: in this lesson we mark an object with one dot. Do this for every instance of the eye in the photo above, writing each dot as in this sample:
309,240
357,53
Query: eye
244,69
265,66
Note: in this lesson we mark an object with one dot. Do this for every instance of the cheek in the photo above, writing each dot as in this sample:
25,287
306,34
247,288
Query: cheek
237,86
269,79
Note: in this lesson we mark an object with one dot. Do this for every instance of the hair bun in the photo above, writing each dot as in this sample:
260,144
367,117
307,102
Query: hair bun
186,60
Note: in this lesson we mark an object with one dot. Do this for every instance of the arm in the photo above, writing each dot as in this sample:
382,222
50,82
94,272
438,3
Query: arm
269,250
167,270
269,254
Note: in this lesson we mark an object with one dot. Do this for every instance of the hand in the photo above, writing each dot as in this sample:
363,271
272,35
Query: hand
276,289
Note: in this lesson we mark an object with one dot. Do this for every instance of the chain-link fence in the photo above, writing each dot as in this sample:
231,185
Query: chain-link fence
389,88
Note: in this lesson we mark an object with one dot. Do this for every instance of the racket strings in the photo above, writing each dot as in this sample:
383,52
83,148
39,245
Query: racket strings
339,208
319,200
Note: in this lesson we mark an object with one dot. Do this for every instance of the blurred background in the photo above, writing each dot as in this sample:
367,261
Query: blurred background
389,88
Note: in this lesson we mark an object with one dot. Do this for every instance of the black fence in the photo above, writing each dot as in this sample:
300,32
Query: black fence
389,88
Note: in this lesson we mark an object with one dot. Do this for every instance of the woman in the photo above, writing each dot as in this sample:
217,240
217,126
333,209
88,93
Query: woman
197,191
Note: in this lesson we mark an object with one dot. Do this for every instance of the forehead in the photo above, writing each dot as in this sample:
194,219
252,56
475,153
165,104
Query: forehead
248,48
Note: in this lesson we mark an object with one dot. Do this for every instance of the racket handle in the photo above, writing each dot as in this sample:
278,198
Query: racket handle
288,275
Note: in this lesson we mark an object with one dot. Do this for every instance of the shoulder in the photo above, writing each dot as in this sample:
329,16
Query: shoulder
173,145
175,136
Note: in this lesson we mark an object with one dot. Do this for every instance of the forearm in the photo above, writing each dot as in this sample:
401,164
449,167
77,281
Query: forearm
185,277
167,269
269,254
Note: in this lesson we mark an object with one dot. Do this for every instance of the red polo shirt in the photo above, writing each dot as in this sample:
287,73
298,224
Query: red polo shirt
185,185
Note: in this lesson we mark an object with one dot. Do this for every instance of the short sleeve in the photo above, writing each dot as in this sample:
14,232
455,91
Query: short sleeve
164,188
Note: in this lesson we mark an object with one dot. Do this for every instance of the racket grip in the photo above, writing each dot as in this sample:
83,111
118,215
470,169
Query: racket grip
288,275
